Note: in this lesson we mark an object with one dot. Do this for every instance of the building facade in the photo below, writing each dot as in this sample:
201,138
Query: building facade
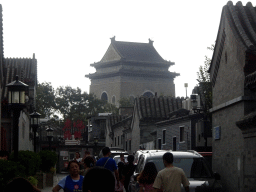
138,129
128,70
26,70
232,74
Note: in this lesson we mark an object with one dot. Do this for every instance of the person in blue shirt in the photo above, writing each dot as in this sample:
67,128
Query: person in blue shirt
73,182
108,163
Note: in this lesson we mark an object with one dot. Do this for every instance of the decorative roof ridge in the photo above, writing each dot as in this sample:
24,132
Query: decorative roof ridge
133,61
252,11
238,25
16,58
247,22
113,42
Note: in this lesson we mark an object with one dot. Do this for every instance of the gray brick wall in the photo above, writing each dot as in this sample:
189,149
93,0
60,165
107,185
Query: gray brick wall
131,86
135,135
25,139
228,151
118,133
173,130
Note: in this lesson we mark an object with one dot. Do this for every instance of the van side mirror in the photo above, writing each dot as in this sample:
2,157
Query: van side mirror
216,176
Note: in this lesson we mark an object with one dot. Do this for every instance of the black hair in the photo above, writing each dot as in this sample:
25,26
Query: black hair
73,161
148,175
168,157
105,151
130,159
120,170
78,153
99,179
89,161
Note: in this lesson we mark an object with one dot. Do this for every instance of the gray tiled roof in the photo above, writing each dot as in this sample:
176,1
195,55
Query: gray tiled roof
137,51
242,21
151,109
25,68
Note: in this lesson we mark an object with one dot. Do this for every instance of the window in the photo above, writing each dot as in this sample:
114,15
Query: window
159,143
104,96
174,148
130,144
126,145
115,141
148,94
164,133
118,140
182,134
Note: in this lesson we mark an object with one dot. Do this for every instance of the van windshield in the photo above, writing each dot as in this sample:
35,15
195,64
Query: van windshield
193,167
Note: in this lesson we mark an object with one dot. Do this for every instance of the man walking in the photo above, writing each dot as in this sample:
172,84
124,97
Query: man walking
170,178
108,163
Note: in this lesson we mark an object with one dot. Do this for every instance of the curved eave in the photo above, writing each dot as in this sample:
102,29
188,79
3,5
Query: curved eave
130,62
170,75
242,22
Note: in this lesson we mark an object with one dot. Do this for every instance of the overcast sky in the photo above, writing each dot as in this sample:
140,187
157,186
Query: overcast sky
67,36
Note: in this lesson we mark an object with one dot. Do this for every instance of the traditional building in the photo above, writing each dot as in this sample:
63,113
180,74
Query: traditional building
138,130
233,77
26,69
128,70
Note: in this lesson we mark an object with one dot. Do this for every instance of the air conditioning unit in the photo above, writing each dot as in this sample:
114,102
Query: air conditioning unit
195,101
186,104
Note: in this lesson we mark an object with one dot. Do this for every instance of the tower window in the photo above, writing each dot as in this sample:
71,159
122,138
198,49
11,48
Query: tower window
104,96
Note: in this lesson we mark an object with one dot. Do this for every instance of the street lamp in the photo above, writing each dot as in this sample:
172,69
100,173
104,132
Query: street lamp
49,132
16,101
34,123
96,141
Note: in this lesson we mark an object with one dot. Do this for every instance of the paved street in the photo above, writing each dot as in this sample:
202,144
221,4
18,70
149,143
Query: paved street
57,178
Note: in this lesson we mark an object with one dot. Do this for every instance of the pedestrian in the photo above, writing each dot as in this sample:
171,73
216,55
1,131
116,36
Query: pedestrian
88,164
78,157
86,153
129,168
107,162
99,179
120,166
18,184
72,182
147,177
171,177
79,160
122,159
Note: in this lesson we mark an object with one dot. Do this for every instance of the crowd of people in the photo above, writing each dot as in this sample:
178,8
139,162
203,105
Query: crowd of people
88,175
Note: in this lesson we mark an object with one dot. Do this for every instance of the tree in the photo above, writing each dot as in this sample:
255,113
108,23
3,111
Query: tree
205,86
45,100
125,102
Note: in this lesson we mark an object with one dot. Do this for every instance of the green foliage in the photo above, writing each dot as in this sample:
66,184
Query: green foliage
69,103
125,102
205,87
30,160
45,100
33,180
10,170
49,159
